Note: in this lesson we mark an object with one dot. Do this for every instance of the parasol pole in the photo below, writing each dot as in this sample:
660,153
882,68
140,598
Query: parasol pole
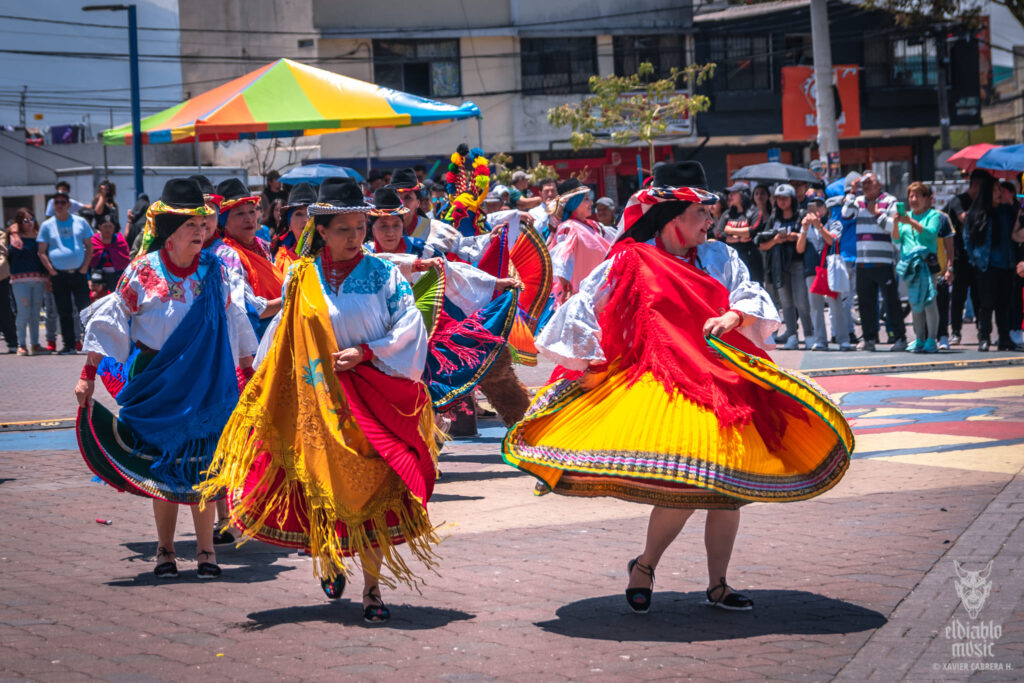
195,148
367,131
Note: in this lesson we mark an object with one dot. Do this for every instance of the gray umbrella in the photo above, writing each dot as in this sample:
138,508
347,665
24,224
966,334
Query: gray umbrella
774,172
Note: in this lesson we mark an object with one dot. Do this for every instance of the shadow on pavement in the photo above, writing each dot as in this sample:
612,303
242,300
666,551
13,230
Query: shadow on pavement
451,497
681,618
252,563
479,476
482,458
349,613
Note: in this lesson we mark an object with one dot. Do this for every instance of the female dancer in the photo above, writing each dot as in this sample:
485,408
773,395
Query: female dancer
470,321
579,244
331,448
293,220
663,416
175,306
240,221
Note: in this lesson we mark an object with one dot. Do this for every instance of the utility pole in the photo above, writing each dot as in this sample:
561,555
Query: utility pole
133,49
942,62
21,106
828,135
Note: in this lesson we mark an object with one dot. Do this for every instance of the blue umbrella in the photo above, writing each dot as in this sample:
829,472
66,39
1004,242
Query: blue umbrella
1010,158
314,174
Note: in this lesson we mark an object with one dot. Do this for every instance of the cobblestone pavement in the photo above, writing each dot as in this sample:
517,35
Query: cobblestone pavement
857,584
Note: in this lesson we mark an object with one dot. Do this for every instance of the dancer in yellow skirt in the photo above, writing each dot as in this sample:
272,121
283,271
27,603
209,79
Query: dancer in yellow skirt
331,447
666,396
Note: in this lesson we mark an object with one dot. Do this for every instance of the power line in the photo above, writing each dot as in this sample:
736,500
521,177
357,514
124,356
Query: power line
318,33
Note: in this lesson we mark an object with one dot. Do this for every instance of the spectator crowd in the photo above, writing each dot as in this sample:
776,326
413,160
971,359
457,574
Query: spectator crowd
846,257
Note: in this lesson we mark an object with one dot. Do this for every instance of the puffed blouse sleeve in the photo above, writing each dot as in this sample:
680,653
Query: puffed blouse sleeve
750,299
243,338
467,287
108,320
402,351
572,338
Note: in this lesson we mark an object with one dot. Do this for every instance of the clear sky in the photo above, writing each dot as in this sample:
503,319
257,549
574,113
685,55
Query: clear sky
67,88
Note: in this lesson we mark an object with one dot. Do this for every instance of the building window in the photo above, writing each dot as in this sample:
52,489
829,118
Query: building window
429,68
743,62
557,66
663,52
913,62
900,62
799,50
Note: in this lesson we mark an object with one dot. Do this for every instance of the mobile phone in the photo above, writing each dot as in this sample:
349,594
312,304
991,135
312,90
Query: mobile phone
901,208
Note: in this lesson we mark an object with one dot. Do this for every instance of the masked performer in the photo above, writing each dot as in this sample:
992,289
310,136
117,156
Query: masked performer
677,405
331,448
175,306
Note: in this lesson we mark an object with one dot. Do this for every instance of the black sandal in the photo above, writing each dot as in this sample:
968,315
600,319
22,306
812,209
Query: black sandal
375,614
165,570
333,589
639,599
207,570
222,533
734,602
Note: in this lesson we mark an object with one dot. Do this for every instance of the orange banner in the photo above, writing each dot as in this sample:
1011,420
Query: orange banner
799,108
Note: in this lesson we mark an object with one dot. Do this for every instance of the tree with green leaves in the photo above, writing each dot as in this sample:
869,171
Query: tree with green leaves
635,108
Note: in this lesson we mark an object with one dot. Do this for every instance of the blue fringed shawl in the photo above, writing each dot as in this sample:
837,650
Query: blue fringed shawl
179,404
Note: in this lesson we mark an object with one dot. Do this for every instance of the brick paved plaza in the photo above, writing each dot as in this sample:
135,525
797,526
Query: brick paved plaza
858,584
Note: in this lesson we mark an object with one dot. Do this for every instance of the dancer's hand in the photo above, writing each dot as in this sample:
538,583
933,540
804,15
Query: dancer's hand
346,359
565,290
593,376
83,391
508,283
722,324
428,263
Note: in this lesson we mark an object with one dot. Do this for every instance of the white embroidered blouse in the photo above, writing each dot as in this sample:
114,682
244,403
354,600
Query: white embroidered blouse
467,287
572,338
374,306
149,303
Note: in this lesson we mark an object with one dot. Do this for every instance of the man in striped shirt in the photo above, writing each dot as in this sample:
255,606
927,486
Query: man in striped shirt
876,257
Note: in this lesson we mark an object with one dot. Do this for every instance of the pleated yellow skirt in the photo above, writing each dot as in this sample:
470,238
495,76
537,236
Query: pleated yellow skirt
640,443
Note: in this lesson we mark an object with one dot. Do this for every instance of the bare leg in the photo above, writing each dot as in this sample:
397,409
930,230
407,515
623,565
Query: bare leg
203,522
719,537
664,526
371,562
222,509
166,516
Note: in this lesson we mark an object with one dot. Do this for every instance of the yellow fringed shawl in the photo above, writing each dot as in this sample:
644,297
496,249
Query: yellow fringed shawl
294,408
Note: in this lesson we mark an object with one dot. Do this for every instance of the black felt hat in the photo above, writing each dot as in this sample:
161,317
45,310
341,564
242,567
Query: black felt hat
234,192
204,183
386,202
208,190
680,174
182,193
567,186
302,194
405,179
339,195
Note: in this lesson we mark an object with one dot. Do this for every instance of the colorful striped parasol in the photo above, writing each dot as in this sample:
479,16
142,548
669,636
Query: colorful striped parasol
288,99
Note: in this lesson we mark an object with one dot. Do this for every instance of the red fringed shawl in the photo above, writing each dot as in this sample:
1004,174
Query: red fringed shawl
653,322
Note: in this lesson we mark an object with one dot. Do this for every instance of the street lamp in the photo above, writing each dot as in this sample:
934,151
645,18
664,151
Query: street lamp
133,49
